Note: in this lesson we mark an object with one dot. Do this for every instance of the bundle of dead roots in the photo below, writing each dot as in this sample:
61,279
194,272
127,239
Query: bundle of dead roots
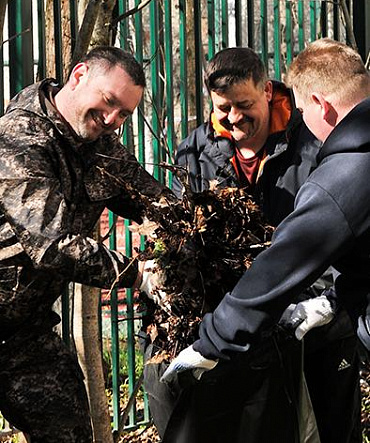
202,245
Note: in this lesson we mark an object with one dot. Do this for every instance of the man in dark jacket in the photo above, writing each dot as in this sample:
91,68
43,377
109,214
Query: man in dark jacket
272,157
61,164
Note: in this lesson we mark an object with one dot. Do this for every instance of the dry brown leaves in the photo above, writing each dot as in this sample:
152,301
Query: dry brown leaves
203,246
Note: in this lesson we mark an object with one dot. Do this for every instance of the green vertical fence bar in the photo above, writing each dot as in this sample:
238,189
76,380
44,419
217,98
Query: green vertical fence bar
183,70
313,18
130,328
336,22
139,53
250,16
169,84
141,134
41,68
198,62
74,24
264,34
301,38
128,142
224,24
141,112
323,19
154,51
140,58
58,40
277,39
113,245
288,32
114,333
140,117
238,23
211,29
20,45
123,39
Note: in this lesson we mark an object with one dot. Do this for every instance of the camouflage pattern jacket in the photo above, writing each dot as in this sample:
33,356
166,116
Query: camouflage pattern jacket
53,189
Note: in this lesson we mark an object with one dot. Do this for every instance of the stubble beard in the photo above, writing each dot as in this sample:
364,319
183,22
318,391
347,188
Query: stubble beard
84,131
240,135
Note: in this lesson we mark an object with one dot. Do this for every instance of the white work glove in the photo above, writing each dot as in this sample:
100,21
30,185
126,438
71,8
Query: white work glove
151,282
308,314
188,360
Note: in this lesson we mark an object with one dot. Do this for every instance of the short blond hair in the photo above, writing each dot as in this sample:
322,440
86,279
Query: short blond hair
331,68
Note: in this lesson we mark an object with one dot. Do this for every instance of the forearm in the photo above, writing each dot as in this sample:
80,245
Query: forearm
299,254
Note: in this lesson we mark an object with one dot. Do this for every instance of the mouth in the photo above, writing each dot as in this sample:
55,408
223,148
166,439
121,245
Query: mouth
244,121
98,120
239,125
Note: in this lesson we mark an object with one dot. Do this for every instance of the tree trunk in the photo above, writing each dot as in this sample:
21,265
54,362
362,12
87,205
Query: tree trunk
88,346
102,32
86,325
93,9
67,37
50,38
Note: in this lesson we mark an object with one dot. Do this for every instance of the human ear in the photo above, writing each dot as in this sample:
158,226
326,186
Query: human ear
77,74
268,90
328,112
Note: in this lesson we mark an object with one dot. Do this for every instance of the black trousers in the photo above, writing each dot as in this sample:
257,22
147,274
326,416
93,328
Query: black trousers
331,366
255,398
42,392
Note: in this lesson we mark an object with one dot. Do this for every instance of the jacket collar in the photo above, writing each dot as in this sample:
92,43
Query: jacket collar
36,99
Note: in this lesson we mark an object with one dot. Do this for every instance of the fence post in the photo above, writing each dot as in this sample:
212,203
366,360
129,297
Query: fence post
20,45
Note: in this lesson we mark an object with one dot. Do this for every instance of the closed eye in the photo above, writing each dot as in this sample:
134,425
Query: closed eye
108,100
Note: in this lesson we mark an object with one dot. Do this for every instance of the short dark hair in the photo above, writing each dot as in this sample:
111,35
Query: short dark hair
110,56
234,65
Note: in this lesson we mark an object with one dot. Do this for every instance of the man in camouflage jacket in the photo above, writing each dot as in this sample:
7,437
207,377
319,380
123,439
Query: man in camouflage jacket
61,164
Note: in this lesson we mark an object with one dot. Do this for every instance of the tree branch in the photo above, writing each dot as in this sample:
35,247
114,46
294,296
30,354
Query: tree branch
347,20
86,30
132,11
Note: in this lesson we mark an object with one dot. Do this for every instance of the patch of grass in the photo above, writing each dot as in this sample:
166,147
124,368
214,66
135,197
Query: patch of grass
123,362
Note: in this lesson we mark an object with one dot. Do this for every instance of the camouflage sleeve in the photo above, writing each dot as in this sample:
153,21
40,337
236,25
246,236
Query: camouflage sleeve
35,207
115,172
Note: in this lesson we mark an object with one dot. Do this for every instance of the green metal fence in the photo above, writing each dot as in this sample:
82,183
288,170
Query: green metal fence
174,40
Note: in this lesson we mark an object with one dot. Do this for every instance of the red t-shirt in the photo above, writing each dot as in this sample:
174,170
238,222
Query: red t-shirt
247,168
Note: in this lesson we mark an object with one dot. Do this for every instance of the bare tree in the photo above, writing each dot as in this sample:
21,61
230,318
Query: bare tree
92,32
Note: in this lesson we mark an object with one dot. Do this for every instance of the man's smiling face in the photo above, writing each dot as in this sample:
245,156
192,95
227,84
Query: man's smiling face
102,100
243,109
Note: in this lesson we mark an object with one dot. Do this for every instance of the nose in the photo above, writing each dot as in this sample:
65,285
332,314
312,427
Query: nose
235,115
113,118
